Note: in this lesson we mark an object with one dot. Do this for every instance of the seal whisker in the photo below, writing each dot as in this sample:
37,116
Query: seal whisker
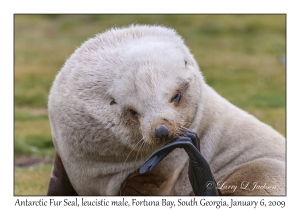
146,147
130,153
139,150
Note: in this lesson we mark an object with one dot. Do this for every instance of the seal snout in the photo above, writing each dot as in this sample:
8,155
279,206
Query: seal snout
161,132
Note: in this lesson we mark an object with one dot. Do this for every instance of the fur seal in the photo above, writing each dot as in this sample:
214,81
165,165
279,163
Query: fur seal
129,91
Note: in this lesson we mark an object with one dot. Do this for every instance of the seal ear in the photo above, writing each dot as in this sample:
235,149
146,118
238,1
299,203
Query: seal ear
59,182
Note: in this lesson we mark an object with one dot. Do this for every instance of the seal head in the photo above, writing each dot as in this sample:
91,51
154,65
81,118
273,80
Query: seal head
120,96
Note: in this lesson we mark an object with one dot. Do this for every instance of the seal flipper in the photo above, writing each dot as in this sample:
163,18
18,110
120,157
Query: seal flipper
155,159
200,175
59,182
159,154
194,137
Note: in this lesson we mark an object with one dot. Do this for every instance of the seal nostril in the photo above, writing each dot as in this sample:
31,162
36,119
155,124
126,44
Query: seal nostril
161,131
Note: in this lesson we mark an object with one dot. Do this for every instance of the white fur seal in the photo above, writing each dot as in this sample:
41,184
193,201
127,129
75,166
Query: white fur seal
128,91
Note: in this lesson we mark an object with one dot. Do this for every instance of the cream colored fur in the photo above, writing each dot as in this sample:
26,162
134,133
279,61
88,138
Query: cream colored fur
141,67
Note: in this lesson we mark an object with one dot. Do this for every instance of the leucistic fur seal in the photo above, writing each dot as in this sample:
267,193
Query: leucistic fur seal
128,91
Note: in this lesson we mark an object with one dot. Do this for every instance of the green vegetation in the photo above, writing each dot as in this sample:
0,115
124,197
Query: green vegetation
32,180
238,56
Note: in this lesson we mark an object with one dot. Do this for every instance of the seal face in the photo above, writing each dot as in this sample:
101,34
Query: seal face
127,92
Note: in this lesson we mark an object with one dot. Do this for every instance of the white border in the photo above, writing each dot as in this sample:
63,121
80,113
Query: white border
6,72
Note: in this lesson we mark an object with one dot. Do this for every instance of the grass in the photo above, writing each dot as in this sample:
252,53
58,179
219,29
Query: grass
32,180
32,132
238,56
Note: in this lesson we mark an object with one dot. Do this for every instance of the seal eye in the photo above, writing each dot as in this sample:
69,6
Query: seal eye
185,62
176,98
133,113
113,102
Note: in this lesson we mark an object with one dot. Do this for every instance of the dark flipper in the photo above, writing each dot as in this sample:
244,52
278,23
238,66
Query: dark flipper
200,175
59,182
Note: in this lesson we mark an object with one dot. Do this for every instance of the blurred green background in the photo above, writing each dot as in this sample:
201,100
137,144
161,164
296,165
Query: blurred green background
241,56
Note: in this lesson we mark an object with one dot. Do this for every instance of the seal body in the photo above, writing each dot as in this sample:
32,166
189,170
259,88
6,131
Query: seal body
127,92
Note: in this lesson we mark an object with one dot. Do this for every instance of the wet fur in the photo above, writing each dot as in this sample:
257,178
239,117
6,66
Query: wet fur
141,68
